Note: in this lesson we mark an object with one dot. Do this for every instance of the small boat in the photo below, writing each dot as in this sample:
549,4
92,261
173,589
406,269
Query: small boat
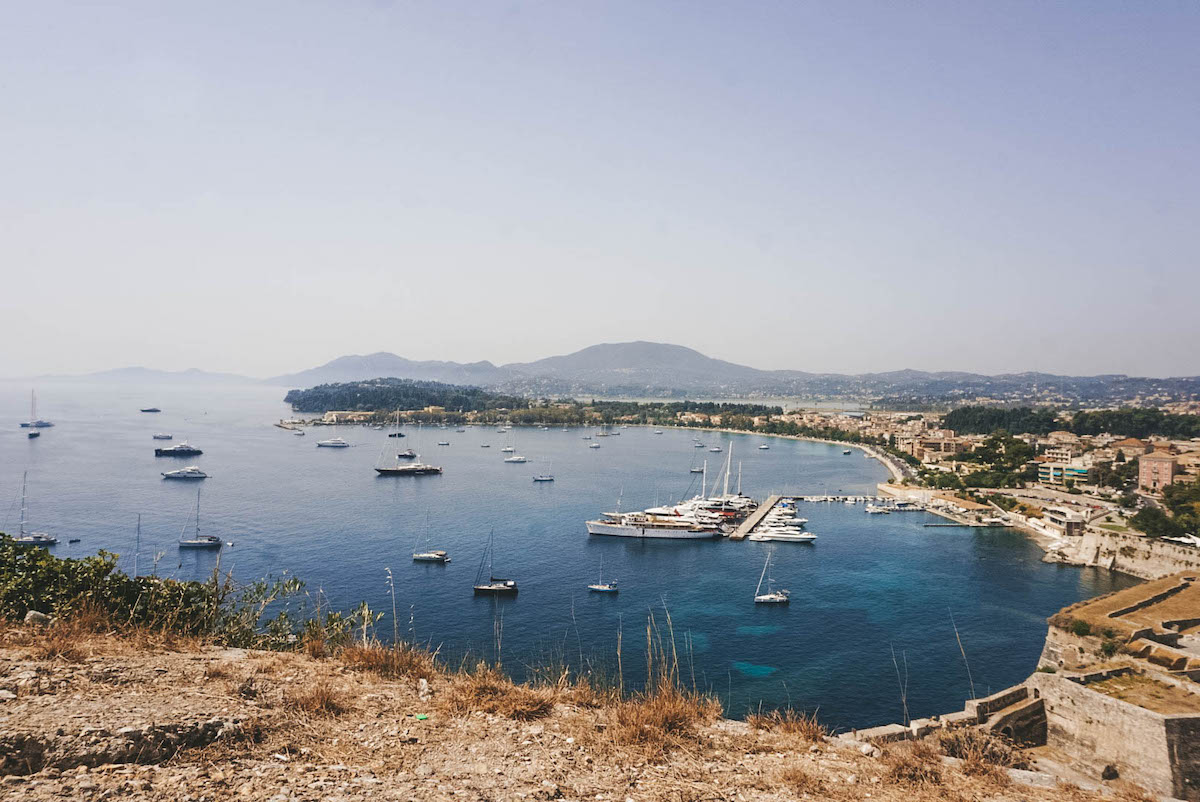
846,452
493,585
30,538
594,445
151,409
507,450
790,535
396,434
875,509
443,442
162,436
715,449
460,431
545,477
197,540
601,586
190,472
696,470
586,437
763,447
415,469
436,556
658,431
770,597
697,445
180,450
73,540
333,442
298,433
515,458
485,445
32,433
407,453
34,421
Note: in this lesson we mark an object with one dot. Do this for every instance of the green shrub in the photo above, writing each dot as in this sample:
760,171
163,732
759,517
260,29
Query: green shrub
1080,628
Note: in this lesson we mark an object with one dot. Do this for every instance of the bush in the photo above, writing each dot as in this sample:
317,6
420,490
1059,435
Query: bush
1080,627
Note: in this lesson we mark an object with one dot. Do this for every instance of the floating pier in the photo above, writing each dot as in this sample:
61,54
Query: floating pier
755,518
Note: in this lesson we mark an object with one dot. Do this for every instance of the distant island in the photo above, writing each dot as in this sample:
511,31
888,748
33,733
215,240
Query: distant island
673,372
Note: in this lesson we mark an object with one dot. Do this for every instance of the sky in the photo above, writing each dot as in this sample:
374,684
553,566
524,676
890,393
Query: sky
826,186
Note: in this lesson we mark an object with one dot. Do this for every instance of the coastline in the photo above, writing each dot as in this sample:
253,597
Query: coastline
897,473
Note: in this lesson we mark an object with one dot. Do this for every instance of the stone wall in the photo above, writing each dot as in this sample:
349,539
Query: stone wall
1144,557
1160,753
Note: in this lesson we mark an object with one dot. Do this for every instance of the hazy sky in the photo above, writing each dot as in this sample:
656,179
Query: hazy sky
261,186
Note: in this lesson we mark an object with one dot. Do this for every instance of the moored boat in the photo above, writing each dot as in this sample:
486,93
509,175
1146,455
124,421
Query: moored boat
197,540
333,442
30,538
190,472
162,436
183,449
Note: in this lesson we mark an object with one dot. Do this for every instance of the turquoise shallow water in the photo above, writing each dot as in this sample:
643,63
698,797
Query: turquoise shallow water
870,584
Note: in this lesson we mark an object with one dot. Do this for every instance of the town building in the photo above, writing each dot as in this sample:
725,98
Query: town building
1156,471
1069,522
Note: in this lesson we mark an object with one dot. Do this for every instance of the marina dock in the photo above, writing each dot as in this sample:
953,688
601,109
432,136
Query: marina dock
755,518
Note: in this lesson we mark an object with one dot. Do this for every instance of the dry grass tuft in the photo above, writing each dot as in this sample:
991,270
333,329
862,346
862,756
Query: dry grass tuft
661,719
983,754
913,763
790,722
487,690
319,699
801,781
398,660
216,671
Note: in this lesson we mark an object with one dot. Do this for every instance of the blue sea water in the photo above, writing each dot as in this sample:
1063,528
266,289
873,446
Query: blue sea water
872,600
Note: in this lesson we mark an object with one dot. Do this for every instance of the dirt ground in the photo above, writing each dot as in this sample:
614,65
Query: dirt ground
102,717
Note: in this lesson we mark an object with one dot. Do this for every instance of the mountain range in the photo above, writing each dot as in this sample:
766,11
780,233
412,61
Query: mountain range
660,370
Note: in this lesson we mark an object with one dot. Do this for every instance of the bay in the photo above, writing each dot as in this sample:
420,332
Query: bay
872,599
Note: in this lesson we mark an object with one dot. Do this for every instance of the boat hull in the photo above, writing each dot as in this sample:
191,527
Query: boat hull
406,471
177,452
648,532
492,590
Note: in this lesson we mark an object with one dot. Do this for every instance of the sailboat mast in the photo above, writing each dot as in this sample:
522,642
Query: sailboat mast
197,512
758,589
739,490
137,545
728,466
24,477
704,481
32,405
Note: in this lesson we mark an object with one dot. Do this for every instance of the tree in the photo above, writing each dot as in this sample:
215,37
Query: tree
1155,523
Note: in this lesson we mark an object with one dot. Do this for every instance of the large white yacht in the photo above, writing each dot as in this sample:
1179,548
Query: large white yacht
333,442
190,472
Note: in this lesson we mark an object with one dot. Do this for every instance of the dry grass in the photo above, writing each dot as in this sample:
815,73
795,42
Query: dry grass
217,671
487,690
320,699
660,720
399,660
980,750
790,722
801,781
913,763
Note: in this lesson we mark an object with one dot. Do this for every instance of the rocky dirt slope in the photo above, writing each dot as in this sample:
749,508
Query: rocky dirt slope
99,717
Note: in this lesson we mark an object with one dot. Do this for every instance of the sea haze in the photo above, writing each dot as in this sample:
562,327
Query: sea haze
870,585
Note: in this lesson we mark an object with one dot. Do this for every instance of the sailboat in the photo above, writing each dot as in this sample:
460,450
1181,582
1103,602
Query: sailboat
399,468
511,449
432,555
547,476
601,586
197,540
770,597
34,422
493,585
31,538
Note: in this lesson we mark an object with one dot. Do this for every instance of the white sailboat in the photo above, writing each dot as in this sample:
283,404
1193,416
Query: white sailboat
548,476
429,555
197,540
770,597
600,585
31,538
492,585
34,422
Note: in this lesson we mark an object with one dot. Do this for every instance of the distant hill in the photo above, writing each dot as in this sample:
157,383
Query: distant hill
358,368
663,370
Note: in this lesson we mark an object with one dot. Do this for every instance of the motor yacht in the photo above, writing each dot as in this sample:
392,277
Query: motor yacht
333,442
190,472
